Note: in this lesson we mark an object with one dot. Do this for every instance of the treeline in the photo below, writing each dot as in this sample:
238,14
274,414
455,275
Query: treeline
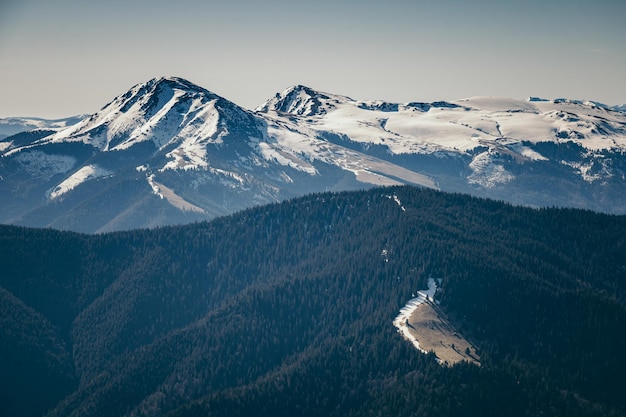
287,309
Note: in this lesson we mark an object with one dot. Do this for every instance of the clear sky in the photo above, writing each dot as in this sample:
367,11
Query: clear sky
64,57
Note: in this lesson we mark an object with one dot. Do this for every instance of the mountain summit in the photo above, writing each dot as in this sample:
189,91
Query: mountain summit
302,101
168,151
170,113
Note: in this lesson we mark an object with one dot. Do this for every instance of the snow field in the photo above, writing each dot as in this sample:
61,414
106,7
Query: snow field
85,173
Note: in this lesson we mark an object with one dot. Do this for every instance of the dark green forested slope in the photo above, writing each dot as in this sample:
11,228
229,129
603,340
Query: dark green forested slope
287,310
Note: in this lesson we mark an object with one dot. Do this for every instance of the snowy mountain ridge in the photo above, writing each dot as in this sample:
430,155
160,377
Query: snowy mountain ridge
497,126
459,125
208,156
11,126
167,111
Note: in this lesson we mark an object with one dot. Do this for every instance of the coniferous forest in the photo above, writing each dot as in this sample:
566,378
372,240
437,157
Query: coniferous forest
287,309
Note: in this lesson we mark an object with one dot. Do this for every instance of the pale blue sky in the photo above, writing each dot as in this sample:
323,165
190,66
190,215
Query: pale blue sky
63,57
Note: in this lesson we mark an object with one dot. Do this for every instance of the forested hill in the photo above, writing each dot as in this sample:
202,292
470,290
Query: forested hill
286,310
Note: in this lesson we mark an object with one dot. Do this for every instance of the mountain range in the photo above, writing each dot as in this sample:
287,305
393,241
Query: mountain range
168,151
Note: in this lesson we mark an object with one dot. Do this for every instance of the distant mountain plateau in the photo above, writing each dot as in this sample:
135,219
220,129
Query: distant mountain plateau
169,152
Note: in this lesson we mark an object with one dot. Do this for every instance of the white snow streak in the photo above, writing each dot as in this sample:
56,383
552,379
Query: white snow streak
397,200
85,173
168,194
155,188
405,312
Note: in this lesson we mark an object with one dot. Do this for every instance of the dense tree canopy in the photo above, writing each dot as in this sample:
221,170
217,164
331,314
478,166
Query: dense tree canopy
287,310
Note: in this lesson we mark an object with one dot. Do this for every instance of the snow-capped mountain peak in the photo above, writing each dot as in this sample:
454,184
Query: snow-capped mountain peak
199,153
301,100
168,112
152,111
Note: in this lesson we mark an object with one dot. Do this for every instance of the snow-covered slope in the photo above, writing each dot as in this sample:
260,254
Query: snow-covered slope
170,113
485,128
169,151
13,125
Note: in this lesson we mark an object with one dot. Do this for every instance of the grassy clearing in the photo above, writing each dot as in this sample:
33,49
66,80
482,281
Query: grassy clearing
432,329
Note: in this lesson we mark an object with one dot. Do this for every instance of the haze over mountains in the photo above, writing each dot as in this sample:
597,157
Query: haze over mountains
168,151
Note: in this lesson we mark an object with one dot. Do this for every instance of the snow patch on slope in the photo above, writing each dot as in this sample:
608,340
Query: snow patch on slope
487,173
5,145
397,200
40,164
591,170
164,192
527,152
86,173
400,322
155,188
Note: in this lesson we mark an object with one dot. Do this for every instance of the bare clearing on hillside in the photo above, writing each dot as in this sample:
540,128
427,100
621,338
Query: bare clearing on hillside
432,330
